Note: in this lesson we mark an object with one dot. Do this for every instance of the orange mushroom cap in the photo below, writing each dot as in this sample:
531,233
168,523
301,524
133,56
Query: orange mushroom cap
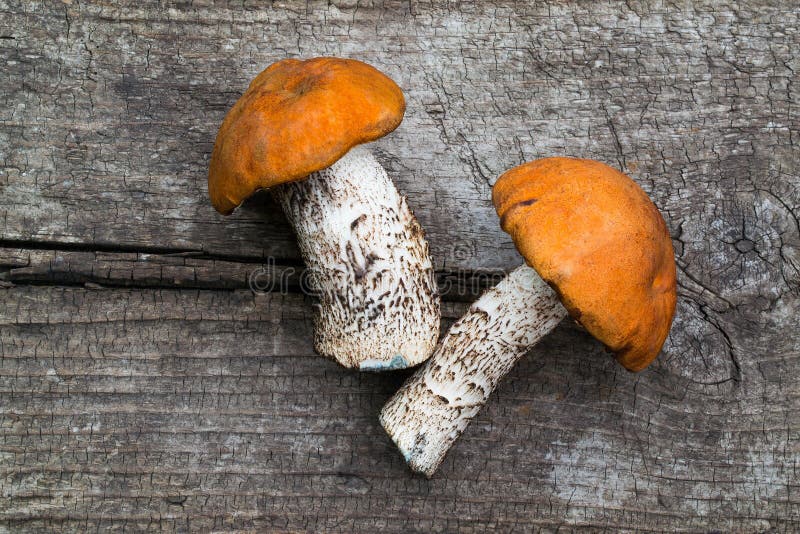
600,242
297,117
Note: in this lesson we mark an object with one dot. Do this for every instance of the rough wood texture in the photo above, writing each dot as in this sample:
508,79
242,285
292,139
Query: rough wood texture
147,404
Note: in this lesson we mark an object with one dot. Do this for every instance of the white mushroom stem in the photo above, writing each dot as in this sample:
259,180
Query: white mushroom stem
436,404
371,269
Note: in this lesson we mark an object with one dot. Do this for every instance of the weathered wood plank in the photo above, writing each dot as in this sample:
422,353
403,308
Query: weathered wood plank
112,110
199,409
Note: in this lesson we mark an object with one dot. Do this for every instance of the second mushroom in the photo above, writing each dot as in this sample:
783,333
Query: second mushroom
296,131
597,249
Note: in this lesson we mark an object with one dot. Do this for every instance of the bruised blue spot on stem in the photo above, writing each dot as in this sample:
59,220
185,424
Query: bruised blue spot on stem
398,362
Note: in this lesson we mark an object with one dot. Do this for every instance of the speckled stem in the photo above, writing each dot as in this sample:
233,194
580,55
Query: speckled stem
435,405
378,301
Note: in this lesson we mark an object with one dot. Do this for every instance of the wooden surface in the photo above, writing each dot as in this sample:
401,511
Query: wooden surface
142,385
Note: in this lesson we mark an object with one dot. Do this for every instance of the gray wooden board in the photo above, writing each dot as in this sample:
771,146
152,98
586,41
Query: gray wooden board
143,385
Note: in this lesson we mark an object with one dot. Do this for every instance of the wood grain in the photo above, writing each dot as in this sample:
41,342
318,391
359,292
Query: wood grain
144,386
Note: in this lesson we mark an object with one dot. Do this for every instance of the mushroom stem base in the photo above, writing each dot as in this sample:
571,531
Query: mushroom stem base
436,404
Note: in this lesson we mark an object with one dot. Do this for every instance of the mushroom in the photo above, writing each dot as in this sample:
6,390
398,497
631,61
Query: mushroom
295,132
597,249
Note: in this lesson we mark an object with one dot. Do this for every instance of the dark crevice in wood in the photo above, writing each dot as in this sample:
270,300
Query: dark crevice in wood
104,267
4,284
91,247
132,249
7,280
